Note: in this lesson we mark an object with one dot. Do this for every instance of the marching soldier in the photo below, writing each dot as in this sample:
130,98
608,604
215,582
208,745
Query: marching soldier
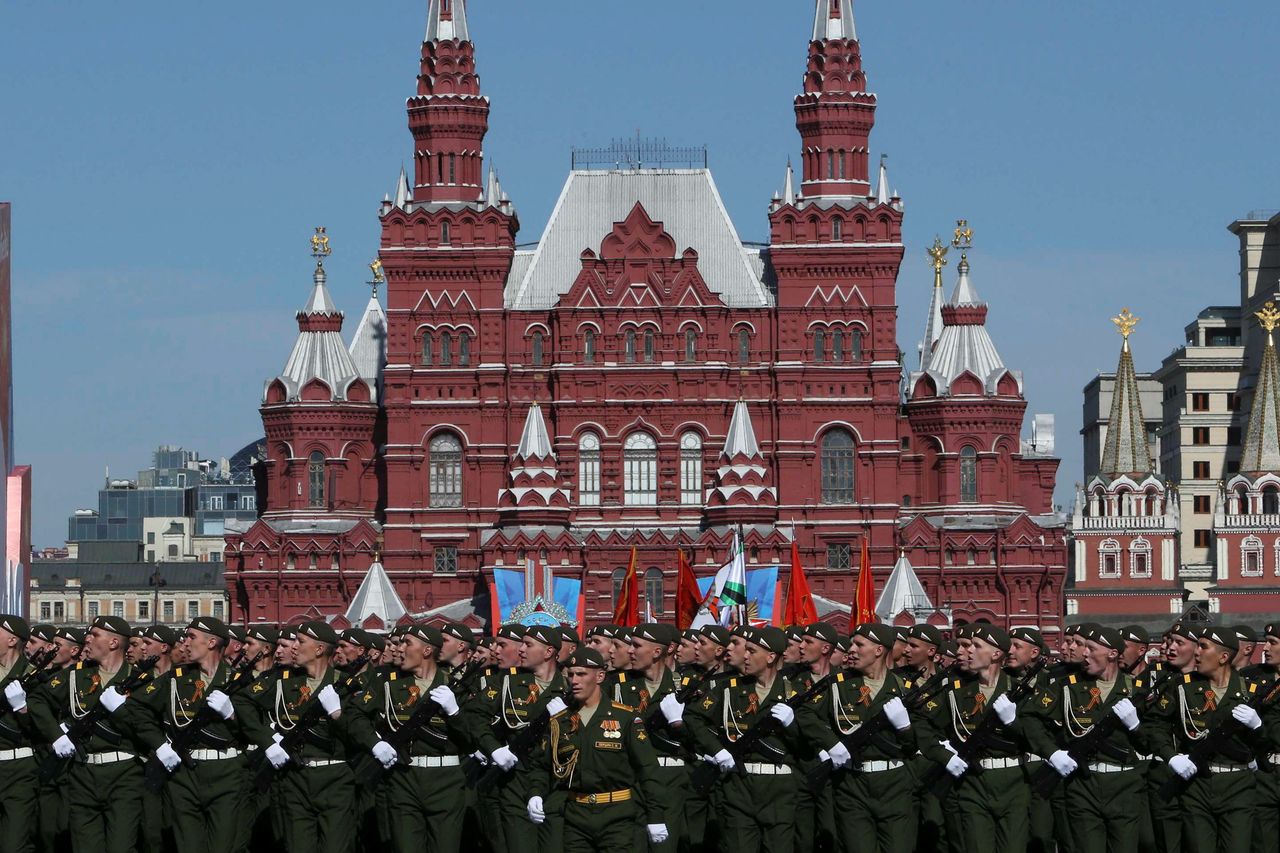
256,830
1137,642
18,735
923,642
815,822
1266,816
569,643
1181,644
876,792
53,833
599,755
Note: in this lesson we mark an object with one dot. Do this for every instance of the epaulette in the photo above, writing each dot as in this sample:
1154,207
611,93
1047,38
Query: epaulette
955,684
621,707
1186,679
285,674
177,672
733,682
622,678
1071,679
79,664
392,676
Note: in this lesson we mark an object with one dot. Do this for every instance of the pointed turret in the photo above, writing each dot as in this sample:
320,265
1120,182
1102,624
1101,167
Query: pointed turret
788,187
1262,441
743,490
369,344
833,19
537,494
447,21
883,196
376,603
903,593
1126,451
933,320
403,195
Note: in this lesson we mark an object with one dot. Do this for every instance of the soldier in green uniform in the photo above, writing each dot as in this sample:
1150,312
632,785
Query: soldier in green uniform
154,642
1103,797
1217,810
873,798
314,787
203,801
53,834
601,757
1266,815
1137,642
687,651
1180,643
510,702
233,651
256,830
422,796
758,796
104,786
993,802
19,734
569,643
815,821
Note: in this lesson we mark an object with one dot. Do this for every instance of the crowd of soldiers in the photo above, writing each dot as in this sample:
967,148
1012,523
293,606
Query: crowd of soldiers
218,739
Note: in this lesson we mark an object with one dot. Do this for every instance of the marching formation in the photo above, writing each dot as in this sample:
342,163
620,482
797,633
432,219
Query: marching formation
891,740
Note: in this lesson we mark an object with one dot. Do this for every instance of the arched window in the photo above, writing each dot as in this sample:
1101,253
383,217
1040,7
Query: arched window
744,345
840,161
837,467
640,470
446,349
1140,558
619,577
453,168
1109,559
589,469
691,469
648,346
428,347
653,590
690,345
589,346
837,345
315,479
831,164
1251,557
464,348
1270,500
837,224
629,346
444,234
445,471
819,345
968,475
855,345
537,349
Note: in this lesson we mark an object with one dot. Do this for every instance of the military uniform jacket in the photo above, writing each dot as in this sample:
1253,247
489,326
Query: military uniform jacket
729,711
631,690
388,704
1190,707
22,730
611,752
177,698
843,708
1061,711
74,692
953,715
286,702
509,703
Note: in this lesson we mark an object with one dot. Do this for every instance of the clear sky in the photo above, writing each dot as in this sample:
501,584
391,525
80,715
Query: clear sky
168,161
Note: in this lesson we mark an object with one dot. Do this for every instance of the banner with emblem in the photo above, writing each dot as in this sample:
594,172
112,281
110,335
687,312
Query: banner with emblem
534,596
763,594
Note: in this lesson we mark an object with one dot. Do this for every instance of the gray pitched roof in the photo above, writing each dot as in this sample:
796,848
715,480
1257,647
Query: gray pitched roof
318,354
1126,450
685,201
451,27
369,344
902,591
966,347
534,441
376,597
54,574
742,436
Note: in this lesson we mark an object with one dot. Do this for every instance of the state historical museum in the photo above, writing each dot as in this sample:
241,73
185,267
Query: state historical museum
643,379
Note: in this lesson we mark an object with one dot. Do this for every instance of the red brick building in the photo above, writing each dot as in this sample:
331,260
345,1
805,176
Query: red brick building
642,378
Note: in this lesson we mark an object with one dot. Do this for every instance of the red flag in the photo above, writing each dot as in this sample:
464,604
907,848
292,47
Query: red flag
800,609
688,599
864,604
626,612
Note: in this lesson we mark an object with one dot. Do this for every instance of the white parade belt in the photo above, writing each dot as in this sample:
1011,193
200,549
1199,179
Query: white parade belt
878,766
15,754
214,754
668,761
108,757
1001,763
755,768
435,761
1107,767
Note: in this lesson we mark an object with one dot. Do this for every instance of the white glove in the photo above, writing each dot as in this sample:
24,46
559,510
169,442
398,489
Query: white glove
16,695
957,766
168,757
444,697
839,755
1183,766
221,703
1005,710
63,747
1247,717
111,699
277,756
897,715
1127,713
724,760
481,757
946,744
385,753
657,832
672,708
556,706
1063,763
535,810
504,758
329,700
1253,765
782,713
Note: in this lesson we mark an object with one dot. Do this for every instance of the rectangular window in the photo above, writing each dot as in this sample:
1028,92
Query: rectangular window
117,609
193,608
691,476
59,611
1233,436
91,611
166,608
446,560
215,501
46,611
840,557
1110,567
1233,402
1202,538
446,349
151,538
248,501
1200,470
1252,564
1200,402
144,609
217,608
1200,435
589,472
464,349
1201,503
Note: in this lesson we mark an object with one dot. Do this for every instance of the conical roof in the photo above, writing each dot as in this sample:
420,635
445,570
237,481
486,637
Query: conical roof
1126,450
1262,442
369,344
902,591
376,597
319,351
534,441
447,19
833,19
742,435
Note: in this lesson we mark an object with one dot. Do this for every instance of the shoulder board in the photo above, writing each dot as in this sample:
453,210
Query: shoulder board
1071,679
733,682
619,706
1186,679
392,676
684,682
840,677
80,665
956,684
622,678
513,670
177,673
285,675
1253,687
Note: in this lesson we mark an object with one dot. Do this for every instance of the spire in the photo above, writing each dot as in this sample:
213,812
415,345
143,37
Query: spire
903,592
1262,442
534,441
933,323
376,600
741,439
788,188
447,20
833,19
493,194
402,191
882,189
1126,450
369,344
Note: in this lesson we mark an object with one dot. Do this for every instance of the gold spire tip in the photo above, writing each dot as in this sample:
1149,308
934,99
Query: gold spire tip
1125,323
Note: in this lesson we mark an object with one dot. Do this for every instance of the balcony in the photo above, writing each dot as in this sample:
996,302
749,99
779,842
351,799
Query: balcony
1271,520
1127,522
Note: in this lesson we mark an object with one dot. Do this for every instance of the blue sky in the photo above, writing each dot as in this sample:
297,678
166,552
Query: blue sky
167,162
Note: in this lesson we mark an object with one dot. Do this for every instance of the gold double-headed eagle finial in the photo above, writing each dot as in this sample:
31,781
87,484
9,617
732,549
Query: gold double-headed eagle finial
937,259
1269,318
320,246
1125,323
378,276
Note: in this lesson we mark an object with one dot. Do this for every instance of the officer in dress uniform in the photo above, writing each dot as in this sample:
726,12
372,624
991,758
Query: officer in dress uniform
19,734
422,797
1217,810
873,796
600,755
